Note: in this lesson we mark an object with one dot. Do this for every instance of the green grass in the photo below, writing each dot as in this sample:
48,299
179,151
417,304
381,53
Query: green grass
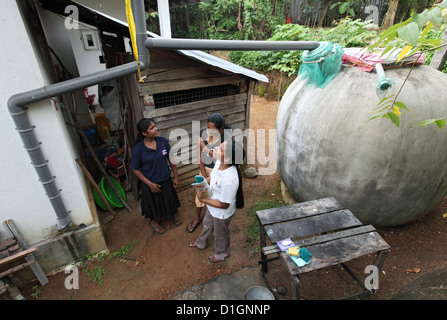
253,228
97,272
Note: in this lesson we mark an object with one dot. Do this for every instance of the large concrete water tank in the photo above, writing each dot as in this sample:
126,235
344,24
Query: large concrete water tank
386,175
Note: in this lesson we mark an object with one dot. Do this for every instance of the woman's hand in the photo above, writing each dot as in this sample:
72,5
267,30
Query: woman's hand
175,182
200,195
155,187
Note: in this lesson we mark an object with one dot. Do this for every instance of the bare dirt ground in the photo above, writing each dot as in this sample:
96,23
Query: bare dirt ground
158,266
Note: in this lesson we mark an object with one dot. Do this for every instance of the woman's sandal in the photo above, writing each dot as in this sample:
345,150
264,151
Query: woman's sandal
177,220
159,229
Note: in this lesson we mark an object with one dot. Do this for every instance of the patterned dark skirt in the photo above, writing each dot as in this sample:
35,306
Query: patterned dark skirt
159,206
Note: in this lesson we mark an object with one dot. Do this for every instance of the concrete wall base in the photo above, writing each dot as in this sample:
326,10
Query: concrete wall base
56,253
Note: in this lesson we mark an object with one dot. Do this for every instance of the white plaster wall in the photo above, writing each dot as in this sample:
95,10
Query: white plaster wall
69,47
87,60
57,37
22,196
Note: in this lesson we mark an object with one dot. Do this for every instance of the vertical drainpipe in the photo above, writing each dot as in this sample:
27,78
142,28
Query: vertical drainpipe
17,106
139,15
164,18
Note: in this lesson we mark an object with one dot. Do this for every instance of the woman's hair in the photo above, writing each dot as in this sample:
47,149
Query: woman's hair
218,120
142,126
237,154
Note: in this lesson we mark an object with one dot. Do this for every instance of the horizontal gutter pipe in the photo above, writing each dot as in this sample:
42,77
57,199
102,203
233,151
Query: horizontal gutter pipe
231,45
17,109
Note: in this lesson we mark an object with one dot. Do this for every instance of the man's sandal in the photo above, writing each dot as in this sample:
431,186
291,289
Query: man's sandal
192,244
190,228
213,259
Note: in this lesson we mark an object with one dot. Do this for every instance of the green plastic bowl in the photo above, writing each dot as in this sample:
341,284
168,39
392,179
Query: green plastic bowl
109,194
98,200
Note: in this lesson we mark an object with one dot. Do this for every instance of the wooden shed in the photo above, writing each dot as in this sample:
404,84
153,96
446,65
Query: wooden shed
181,87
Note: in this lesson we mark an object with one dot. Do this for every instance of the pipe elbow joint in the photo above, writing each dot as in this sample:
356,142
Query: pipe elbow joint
14,104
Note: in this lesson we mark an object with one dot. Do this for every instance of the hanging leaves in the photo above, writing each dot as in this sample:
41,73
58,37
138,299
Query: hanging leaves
412,36
435,16
388,108
439,122
409,33
412,32
404,52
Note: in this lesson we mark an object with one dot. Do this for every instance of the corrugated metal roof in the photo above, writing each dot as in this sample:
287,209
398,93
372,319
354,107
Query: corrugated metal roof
223,64
196,54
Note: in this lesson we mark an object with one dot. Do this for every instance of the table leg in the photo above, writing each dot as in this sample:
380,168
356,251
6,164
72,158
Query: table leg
295,287
262,239
354,276
380,259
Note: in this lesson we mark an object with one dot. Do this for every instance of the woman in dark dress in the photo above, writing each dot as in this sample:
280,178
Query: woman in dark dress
150,159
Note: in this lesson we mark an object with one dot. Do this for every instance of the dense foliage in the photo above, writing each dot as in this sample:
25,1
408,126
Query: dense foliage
263,20
241,19
347,33
224,19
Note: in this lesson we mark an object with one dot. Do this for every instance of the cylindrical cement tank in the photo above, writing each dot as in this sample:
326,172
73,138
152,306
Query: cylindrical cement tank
386,175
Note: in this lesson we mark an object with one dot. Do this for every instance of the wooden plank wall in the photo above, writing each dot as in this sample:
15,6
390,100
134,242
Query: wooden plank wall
233,108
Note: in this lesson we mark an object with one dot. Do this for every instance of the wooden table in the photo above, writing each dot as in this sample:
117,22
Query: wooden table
331,233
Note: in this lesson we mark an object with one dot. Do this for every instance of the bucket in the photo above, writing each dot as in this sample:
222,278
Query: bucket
109,194
91,136
258,293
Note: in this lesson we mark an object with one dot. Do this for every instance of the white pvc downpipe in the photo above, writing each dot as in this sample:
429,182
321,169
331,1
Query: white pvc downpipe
164,18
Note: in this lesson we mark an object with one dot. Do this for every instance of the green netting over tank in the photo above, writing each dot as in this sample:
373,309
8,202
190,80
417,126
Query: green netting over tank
322,64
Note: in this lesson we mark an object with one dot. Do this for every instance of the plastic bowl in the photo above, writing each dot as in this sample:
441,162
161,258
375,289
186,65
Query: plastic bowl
109,194
99,201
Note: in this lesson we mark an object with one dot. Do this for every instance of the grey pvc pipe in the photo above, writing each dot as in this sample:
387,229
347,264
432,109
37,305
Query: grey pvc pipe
237,45
141,32
17,109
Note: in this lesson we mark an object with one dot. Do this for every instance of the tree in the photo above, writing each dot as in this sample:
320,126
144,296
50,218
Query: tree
327,3
240,19
388,21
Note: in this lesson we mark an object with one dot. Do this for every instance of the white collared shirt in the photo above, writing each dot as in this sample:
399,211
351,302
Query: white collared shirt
224,184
